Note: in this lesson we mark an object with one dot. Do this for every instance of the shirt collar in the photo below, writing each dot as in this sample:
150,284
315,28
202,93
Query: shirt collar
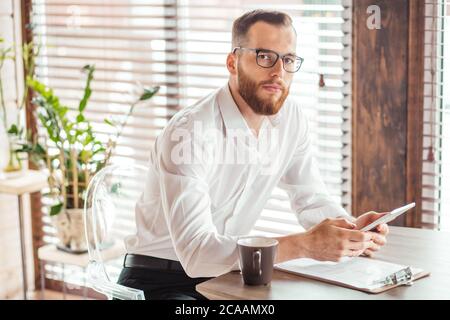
231,114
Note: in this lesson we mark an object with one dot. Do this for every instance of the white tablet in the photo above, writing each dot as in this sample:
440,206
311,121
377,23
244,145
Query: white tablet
389,217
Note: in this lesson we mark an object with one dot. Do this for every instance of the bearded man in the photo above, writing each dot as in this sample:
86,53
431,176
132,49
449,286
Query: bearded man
206,191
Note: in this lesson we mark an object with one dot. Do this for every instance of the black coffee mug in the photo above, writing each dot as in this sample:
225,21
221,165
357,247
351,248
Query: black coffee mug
256,257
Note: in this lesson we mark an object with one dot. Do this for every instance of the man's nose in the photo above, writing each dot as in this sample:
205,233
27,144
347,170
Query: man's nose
277,69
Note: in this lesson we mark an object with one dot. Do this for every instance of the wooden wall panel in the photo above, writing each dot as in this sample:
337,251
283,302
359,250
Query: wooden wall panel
386,123
380,72
414,152
35,198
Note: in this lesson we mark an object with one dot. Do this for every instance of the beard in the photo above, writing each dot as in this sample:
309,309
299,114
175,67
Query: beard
248,91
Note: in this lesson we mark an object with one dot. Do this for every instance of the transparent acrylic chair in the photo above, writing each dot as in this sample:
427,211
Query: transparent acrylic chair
109,215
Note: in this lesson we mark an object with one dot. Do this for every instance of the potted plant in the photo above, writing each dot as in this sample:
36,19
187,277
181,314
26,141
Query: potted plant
72,154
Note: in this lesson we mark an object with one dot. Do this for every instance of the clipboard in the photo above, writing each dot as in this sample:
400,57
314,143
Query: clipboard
359,273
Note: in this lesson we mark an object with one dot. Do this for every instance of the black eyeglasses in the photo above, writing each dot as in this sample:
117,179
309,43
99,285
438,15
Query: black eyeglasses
268,58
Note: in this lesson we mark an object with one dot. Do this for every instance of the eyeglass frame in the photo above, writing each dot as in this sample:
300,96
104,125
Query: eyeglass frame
257,50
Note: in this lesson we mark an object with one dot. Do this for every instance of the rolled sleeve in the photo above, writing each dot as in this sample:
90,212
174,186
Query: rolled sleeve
308,194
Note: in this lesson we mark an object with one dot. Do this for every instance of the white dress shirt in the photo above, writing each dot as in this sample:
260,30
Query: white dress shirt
210,178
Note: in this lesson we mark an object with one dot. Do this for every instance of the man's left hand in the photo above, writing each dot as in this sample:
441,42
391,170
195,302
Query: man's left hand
379,233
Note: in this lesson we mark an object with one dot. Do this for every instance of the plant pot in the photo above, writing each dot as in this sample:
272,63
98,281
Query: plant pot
10,162
70,231
14,164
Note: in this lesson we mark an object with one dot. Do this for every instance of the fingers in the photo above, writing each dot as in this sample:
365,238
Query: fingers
377,215
368,253
373,217
383,229
353,242
362,246
355,248
354,253
369,212
342,223
373,246
377,238
356,235
357,245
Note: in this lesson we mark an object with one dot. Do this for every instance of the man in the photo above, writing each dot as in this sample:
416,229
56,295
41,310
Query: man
199,199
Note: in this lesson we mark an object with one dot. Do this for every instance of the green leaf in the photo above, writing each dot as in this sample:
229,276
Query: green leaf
88,67
111,123
87,89
13,130
148,93
99,150
61,110
89,139
83,102
85,155
54,210
80,118
39,149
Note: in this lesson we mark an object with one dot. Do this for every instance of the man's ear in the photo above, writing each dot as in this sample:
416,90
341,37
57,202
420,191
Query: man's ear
232,63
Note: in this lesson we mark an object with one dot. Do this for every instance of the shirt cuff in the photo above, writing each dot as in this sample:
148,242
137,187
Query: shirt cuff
311,217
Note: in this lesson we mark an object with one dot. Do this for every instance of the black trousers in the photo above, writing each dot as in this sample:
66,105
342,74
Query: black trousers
161,283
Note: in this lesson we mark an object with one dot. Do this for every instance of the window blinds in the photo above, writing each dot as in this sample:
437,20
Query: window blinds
324,40
436,146
181,45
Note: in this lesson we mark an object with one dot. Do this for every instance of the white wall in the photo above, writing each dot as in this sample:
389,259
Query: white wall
10,258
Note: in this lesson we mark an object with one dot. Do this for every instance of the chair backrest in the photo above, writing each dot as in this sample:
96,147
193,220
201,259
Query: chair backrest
109,215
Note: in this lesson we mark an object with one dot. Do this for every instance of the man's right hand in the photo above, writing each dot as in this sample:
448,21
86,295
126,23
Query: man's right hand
333,239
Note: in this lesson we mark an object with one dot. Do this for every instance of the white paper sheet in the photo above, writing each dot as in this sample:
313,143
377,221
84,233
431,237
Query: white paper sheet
357,272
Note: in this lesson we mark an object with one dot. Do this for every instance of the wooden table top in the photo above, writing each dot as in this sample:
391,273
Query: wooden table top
425,249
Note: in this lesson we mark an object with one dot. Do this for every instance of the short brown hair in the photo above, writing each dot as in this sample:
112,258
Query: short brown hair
242,24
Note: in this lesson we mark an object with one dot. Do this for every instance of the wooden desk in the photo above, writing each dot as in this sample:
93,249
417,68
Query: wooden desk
426,249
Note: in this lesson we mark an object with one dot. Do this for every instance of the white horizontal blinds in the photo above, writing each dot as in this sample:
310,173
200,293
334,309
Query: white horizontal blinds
204,42
324,41
129,42
445,132
436,143
132,43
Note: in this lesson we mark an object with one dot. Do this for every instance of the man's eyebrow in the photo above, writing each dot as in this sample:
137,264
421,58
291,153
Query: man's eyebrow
285,54
289,53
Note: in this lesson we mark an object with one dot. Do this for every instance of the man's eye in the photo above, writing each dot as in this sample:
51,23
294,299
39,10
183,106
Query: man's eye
288,60
265,56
